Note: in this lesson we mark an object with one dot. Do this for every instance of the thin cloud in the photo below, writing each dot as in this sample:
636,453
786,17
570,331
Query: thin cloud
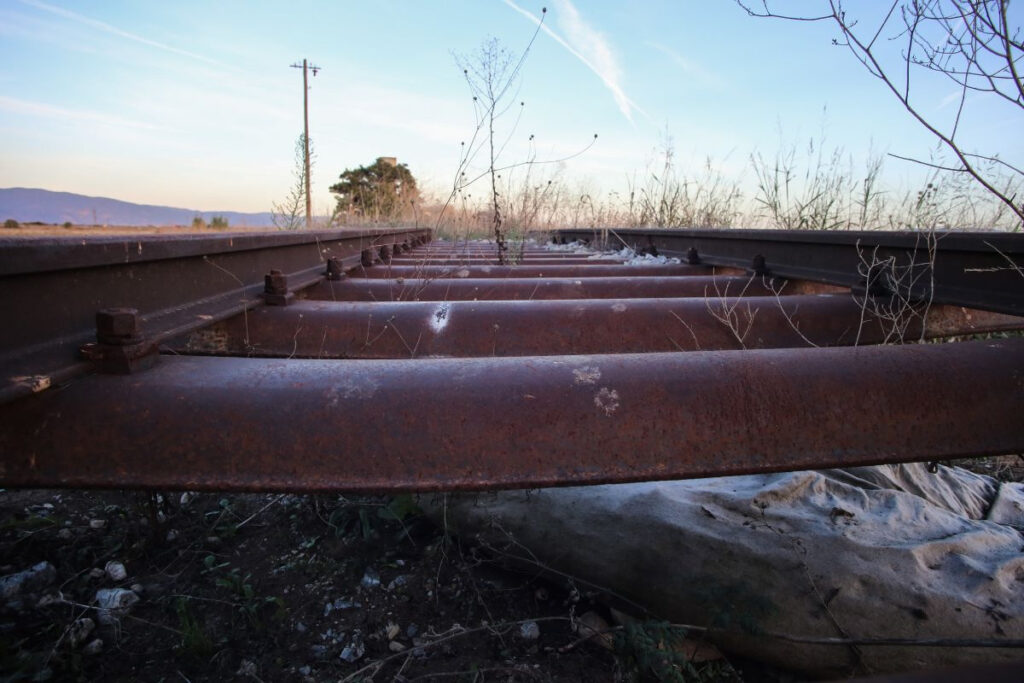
113,30
695,71
17,106
590,47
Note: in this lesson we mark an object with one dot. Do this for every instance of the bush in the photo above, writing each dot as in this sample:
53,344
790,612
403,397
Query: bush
67,225
219,223
11,224
198,223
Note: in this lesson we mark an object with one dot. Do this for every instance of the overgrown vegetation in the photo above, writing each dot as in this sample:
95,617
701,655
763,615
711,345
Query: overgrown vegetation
974,45
290,214
809,186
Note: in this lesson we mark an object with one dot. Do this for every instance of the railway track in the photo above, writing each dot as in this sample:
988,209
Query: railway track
382,360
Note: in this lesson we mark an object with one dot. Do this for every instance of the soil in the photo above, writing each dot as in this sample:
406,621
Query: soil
301,588
282,588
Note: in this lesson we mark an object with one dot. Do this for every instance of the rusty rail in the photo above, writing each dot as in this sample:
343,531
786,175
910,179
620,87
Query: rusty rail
380,360
259,424
53,288
982,270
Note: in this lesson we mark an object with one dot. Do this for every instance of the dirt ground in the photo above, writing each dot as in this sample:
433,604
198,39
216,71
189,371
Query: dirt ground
283,588
297,588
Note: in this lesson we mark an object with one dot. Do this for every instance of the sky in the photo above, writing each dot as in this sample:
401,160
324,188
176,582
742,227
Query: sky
194,104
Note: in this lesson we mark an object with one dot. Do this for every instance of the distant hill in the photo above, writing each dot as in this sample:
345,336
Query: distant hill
26,205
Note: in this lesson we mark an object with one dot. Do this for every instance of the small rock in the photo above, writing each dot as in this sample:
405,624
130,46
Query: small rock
301,628
116,571
137,588
419,645
32,580
398,582
305,670
529,631
396,646
371,579
246,668
94,647
47,600
318,651
79,630
392,630
340,603
96,573
114,603
354,651
172,535
64,534
97,523
186,498
412,630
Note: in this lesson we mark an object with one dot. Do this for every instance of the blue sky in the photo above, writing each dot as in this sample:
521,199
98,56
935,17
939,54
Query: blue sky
193,104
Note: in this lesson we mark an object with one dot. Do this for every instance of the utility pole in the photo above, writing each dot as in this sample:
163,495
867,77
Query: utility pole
305,66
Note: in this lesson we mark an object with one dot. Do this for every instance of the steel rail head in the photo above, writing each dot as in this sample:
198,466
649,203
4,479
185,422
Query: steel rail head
982,270
174,282
337,329
255,424
593,269
468,289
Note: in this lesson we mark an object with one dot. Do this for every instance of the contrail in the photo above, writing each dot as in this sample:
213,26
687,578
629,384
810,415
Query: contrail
626,105
113,30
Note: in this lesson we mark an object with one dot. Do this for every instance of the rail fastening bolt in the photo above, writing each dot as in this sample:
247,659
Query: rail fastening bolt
117,326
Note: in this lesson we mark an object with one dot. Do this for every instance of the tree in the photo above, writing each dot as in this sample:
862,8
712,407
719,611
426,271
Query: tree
972,43
384,190
290,214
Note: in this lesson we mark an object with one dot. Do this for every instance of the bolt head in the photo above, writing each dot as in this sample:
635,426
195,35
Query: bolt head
334,270
117,324
275,282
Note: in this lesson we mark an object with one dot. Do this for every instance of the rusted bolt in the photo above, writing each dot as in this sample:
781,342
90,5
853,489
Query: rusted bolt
692,257
275,282
275,289
334,269
117,326
758,267
385,253
120,347
366,258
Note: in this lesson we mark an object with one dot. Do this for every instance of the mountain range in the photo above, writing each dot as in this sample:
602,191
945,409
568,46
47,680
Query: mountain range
27,205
